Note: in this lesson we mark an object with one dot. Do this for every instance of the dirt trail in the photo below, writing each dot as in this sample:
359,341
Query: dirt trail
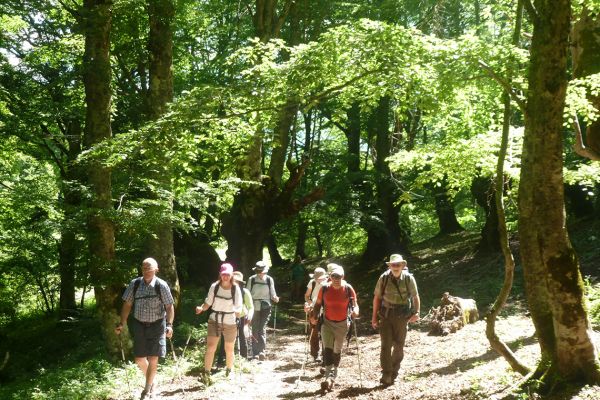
457,366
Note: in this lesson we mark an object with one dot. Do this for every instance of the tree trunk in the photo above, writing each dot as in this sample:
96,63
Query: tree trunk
276,258
444,210
301,238
552,278
96,80
160,94
68,248
387,236
482,189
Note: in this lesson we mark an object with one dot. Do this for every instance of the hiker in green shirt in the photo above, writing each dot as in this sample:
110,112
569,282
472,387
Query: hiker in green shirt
298,279
396,303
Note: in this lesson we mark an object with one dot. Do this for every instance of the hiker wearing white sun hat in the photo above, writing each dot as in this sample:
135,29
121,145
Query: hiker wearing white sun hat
396,303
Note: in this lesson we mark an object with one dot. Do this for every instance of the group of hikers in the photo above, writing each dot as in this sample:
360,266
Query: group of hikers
240,312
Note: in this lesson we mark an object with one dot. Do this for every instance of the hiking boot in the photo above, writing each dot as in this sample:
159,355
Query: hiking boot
322,370
386,380
327,385
317,359
227,372
205,378
261,356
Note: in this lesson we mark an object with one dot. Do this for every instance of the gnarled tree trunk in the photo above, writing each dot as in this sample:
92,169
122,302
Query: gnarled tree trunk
552,278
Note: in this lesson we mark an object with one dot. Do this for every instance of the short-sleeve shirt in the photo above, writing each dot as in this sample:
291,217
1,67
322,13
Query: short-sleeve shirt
336,301
147,305
314,291
298,272
397,291
223,304
259,288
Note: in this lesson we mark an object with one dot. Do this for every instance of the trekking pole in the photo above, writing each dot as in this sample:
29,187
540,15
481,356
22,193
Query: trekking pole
275,322
124,364
302,371
358,354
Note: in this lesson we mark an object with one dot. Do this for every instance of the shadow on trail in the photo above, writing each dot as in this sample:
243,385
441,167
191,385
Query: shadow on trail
304,394
357,391
468,363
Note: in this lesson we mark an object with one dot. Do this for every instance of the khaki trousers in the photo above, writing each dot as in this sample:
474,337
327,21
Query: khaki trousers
392,331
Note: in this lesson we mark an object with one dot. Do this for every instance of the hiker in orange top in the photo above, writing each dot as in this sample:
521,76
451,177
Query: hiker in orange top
396,303
338,300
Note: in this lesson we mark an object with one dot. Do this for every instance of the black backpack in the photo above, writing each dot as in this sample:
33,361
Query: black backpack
157,285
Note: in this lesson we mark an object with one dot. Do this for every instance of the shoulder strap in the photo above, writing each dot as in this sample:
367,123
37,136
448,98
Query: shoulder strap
312,289
269,284
157,286
251,282
386,278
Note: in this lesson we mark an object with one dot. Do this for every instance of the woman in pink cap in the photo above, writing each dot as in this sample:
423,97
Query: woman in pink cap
225,298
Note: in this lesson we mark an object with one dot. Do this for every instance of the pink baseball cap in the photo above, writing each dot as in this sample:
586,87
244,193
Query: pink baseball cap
226,269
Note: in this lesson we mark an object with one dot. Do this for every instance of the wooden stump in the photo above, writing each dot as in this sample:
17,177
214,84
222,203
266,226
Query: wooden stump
452,314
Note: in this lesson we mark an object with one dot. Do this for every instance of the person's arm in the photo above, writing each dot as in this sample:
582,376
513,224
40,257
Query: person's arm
317,307
208,301
125,310
355,308
170,316
376,305
249,305
416,310
275,298
237,302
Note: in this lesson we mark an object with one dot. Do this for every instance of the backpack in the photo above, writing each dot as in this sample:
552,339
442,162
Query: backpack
268,283
157,285
312,289
386,279
215,296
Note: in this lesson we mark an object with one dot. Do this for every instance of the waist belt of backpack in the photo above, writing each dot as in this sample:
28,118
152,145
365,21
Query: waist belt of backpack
392,307
222,313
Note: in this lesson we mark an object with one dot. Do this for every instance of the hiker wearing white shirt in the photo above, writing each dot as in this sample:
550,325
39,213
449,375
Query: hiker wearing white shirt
318,278
262,289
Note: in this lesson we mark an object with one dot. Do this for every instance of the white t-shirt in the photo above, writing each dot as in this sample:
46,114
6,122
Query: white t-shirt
222,303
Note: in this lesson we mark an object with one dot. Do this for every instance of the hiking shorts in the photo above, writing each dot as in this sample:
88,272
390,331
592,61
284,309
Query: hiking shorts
216,329
149,338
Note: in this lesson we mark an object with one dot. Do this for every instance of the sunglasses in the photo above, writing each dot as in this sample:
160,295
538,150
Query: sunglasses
336,276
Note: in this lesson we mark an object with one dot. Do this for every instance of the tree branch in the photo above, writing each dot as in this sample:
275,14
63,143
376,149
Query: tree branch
73,11
281,19
492,74
533,14
579,147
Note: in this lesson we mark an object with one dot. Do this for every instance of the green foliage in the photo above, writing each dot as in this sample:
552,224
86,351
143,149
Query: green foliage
592,294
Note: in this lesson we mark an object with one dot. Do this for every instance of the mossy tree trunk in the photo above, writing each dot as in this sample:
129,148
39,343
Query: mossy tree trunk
552,278
97,15
160,94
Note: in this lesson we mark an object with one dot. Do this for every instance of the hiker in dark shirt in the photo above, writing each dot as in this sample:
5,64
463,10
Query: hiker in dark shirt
396,303
153,315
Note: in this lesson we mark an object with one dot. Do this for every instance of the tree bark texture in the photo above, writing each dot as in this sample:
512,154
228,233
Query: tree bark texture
385,237
97,16
551,269
482,189
71,203
160,94
444,209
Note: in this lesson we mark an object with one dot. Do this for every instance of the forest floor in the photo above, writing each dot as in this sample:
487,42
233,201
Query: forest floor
460,365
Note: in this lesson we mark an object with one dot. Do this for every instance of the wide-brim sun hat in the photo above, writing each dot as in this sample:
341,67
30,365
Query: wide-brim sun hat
238,277
396,259
319,274
261,266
